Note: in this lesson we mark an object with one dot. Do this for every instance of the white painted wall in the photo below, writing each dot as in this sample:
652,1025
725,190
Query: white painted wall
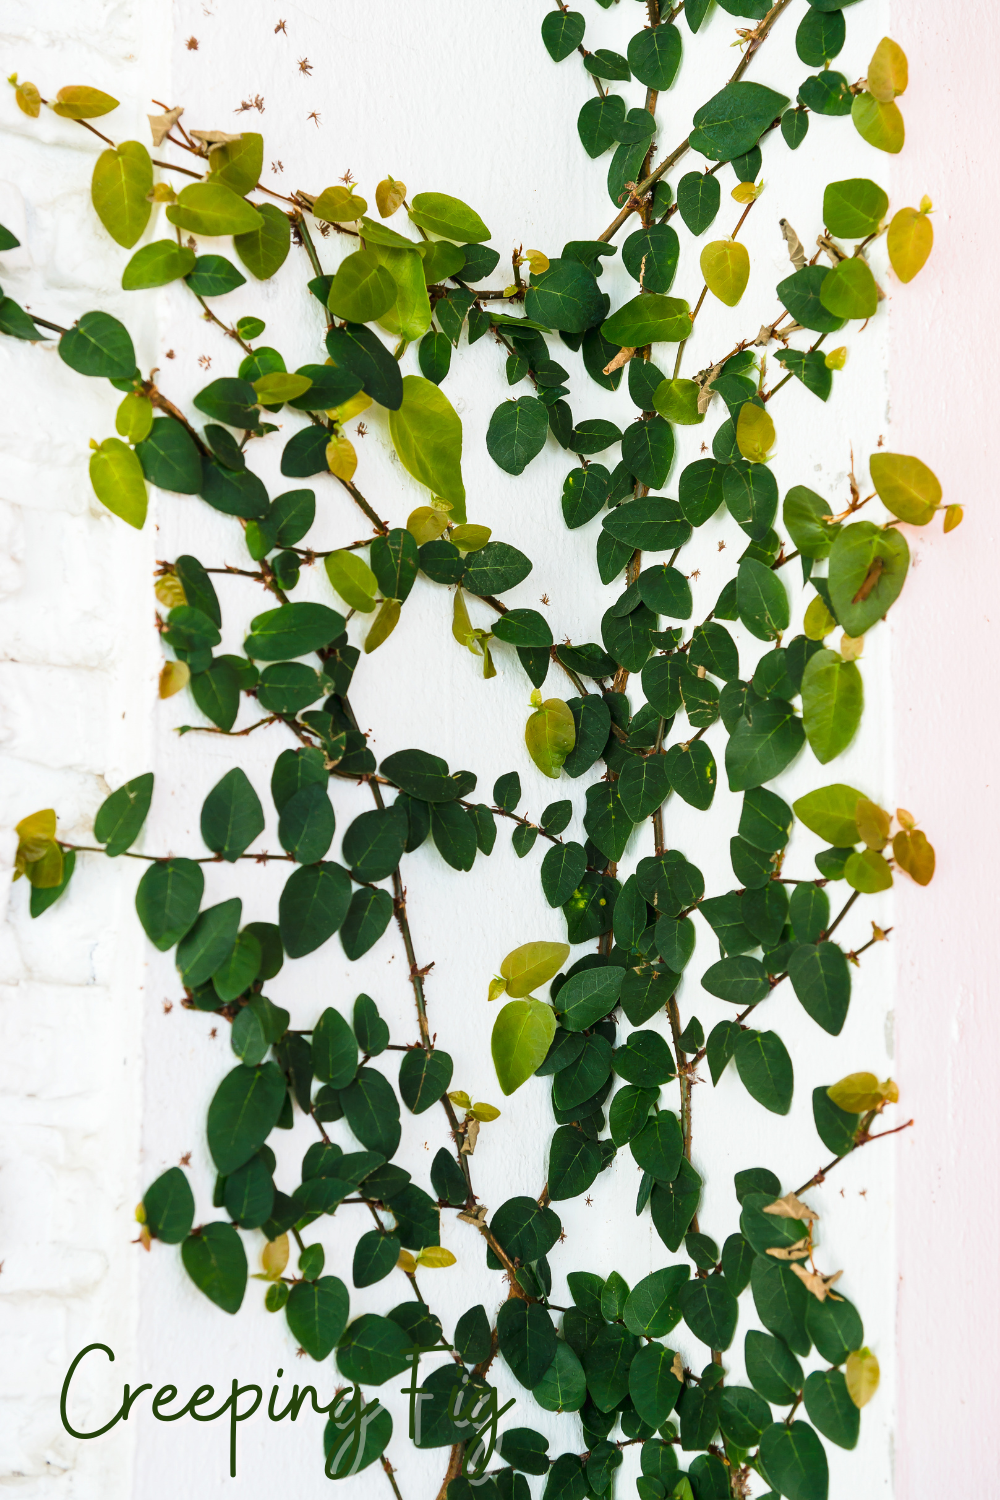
103,1087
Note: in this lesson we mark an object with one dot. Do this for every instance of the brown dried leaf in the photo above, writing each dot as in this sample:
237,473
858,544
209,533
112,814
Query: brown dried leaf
704,378
212,138
796,254
677,1368
471,1137
799,1251
790,1207
831,249
621,358
161,125
477,1217
817,1283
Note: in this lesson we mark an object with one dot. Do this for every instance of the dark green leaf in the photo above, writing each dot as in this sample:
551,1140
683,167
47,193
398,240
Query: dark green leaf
835,1327
372,1111
574,1162
527,1339
800,295
835,1126
658,1146
98,345
292,630
781,1300
216,1262
765,1068
167,900
831,1409
170,458
231,815
242,1114
821,980
646,1059
208,943
772,1369
168,1204
368,915
710,1311
764,742
423,1078
794,1460
732,121
120,817
721,1046
517,433
312,906
372,1350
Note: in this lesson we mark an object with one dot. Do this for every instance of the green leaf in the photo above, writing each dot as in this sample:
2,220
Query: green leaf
334,1050
312,906
740,980
598,123
878,123
239,969
208,943
454,835
830,1407
906,487
653,1386
653,1305
368,916
831,811
167,900
771,1368
606,820
372,1350
122,179
562,870
761,600
317,1313
765,1069
168,1204
835,1327
698,199
607,1362
574,1162
563,1387
98,345
156,264
423,1078
264,246
587,996
835,1127
854,208
781,1301
373,844
803,514
866,560
369,1028
818,40
216,1262
372,1111
527,1339
214,276
794,1460
674,1204
800,294
565,296
732,121
292,630
651,318
375,1255
517,433
522,1035
654,56
710,1311
169,457
448,217
362,289
765,741
121,816
832,703
562,33
242,1114
659,1144
231,816
693,773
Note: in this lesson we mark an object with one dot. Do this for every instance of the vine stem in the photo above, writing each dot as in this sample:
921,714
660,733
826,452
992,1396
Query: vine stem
390,1474
823,1173
642,188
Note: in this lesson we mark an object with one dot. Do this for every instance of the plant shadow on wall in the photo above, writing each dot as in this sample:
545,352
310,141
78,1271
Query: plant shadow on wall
607,1363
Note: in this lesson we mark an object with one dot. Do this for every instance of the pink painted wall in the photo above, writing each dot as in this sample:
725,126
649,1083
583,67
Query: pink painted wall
946,669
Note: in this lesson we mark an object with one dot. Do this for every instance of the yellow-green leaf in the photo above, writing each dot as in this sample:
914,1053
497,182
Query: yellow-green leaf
238,163
170,591
78,102
860,1092
409,313
339,205
134,418
953,517
471,538
118,481
461,625
174,675
868,872
906,486
28,99
279,386
426,523
274,1257
725,265
449,217
522,1035
888,71
352,407
550,734
389,195
677,400
872,823
880,124
435,1257
532,964
34,835
818,621
849,291
211,208
122,179
353,580
362,290
486,1113
341,458
909,241
861,1375
754,433
383,625
837,358
460,1099
427,434
46,871
914,854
